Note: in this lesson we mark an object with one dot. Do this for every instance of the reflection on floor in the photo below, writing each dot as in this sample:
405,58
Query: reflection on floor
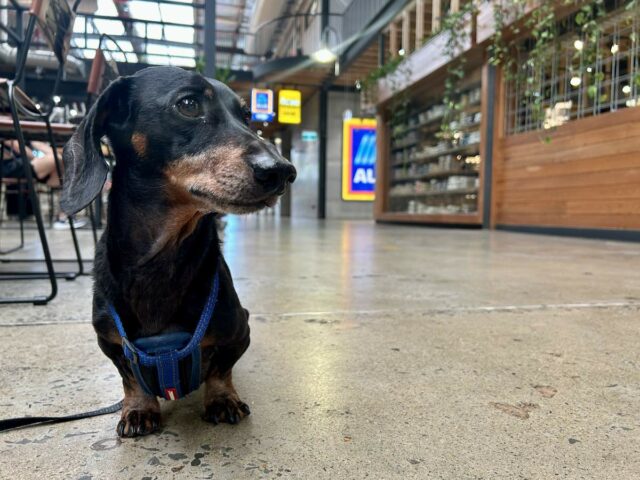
377,352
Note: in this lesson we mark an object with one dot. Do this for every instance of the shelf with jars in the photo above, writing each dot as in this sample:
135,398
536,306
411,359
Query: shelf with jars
427,177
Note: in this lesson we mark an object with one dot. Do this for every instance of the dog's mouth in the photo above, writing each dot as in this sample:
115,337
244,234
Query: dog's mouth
234,206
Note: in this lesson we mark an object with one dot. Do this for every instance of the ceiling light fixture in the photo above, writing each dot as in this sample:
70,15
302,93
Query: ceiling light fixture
327,51
324,55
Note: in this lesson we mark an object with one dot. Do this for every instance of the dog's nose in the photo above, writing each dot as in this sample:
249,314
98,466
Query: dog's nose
273,175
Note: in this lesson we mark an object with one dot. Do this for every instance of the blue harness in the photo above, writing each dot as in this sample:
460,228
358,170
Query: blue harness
168,365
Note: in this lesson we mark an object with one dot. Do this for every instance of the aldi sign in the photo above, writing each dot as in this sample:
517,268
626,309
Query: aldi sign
262,105
358,159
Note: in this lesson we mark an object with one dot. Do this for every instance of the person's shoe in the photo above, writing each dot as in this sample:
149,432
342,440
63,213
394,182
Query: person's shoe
64,224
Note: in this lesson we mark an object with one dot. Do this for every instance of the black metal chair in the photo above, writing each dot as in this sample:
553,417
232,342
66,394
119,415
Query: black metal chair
19,192
55,19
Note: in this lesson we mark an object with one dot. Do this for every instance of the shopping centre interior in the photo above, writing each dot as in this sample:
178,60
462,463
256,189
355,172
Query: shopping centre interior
430,208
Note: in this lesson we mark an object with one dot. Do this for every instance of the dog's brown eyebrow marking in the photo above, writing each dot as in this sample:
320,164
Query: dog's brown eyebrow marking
208,93
139,142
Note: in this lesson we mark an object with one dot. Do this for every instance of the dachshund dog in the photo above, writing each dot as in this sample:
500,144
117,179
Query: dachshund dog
184,152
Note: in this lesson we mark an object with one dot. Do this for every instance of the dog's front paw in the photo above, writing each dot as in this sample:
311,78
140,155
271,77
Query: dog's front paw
136,423
226,409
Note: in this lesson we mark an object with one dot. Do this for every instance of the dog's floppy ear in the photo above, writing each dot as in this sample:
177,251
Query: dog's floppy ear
85,169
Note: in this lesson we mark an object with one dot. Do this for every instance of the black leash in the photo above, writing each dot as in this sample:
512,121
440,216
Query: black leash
12,423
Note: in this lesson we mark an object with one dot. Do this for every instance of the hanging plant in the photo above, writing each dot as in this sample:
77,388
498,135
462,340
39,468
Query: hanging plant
400,112
531,75
369,86
452,26
542,24
588,20
397,73
500,52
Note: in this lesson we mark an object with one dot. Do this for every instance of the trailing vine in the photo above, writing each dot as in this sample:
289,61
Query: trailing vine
588,20
532,74
542,24
369,85
452,25
586,68
632,9
400,106
397,73
501,52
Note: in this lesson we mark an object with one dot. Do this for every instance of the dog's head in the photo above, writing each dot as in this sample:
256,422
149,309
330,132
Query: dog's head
186,131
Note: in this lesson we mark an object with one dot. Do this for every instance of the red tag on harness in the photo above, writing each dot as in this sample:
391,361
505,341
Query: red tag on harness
170,394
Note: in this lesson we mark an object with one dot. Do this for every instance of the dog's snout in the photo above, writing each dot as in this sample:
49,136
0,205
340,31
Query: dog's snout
273,175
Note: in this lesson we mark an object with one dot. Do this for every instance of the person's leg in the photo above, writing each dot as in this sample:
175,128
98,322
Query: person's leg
44,165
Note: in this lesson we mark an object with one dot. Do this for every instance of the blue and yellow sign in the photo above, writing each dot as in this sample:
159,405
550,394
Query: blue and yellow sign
359,159
261,105
290,107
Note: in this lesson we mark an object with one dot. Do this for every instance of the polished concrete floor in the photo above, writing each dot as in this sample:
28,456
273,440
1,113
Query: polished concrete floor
377,352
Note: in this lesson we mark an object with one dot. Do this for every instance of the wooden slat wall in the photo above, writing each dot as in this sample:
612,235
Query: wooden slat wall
586,176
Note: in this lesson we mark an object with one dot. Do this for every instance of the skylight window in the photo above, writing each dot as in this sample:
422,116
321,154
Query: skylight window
173,24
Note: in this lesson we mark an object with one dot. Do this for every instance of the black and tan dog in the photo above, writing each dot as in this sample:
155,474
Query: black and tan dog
184,152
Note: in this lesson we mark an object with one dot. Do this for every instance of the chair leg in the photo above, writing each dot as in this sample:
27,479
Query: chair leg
99,205
2,206
76,246
50,195
36,300
94,227
21,215
2,189
22,211
72,228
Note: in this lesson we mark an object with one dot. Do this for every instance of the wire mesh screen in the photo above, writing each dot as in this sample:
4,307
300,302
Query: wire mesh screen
579,76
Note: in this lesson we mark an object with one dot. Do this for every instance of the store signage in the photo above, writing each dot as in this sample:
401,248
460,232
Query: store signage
261,105
290,107
309,136
358,159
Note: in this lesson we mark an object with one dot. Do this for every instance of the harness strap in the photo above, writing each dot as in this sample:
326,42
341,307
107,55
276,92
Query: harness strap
167,364
136,358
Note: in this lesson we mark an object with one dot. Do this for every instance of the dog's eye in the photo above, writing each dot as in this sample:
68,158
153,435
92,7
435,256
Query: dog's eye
189,107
